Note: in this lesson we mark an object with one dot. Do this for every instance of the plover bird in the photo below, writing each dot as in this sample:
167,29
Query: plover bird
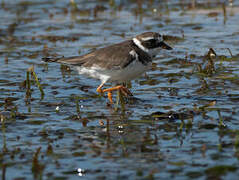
118,63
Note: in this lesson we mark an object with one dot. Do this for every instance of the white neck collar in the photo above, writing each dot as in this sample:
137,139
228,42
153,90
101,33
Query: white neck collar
138,43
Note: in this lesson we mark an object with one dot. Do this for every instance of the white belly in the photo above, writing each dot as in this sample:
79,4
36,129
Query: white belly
132,71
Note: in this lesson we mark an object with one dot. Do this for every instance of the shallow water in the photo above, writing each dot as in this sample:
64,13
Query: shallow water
182,123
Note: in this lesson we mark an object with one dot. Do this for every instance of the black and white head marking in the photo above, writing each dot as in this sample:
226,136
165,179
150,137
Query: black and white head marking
150,42
139,44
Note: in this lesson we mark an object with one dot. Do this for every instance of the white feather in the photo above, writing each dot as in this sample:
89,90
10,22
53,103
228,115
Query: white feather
160,38
138,43
134,54
130,72
95,72
151,52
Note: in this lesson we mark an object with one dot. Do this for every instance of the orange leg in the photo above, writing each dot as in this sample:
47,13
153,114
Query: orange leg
99,90
122,89
110,97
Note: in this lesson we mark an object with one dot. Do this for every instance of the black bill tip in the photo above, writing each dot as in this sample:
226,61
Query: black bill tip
165,46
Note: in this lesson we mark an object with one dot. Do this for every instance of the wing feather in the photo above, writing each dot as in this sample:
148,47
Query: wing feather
111,57
116,56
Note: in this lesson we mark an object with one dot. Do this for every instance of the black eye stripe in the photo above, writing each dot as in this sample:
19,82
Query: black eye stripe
152,43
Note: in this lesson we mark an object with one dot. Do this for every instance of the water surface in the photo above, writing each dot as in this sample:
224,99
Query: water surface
183,122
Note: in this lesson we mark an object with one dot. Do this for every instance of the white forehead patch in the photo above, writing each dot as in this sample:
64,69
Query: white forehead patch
147,38
160,38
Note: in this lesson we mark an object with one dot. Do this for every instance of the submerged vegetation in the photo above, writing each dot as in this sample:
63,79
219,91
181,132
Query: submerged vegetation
181,123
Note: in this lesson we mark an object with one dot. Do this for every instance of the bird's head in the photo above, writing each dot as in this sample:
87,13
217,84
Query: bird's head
151,43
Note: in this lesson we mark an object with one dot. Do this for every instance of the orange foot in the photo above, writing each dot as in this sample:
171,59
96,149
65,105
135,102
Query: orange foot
122,89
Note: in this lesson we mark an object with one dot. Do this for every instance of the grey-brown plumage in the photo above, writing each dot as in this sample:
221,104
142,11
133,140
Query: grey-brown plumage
120,62
111,57
116,55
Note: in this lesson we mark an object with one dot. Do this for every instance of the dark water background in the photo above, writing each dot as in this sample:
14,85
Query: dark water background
184,123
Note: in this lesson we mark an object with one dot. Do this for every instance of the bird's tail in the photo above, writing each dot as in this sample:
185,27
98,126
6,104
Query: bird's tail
49,59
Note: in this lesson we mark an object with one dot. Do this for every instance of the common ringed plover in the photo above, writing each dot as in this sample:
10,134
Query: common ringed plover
118,63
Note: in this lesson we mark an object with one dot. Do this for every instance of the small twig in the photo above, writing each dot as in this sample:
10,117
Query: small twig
221,123
230,52
28,84
77,105
31,70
